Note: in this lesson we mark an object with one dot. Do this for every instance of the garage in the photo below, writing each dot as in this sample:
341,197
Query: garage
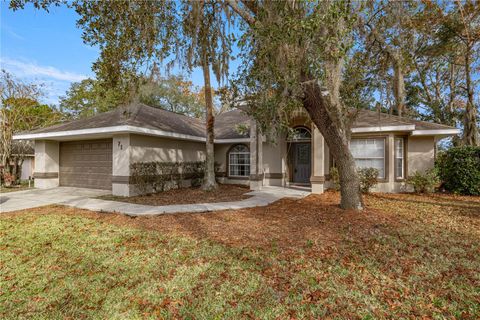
86,164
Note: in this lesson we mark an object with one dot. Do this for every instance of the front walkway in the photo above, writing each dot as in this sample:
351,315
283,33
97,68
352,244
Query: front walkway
260,198
83,199
27,199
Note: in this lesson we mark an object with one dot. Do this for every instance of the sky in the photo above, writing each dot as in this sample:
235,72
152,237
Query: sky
46,47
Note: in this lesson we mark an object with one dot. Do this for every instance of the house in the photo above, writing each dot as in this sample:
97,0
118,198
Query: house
28,165
97,152
23,155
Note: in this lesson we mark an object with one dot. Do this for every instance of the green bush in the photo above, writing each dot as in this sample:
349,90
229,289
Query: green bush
368,178
158,176
459,170
423,182
335,178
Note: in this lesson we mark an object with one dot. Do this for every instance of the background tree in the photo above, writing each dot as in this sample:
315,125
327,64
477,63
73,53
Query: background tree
20,111
173,93
89,97
459,33
387,26
433,90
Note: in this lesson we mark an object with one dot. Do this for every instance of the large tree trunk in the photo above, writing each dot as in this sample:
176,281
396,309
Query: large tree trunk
470,129
209,182
338,143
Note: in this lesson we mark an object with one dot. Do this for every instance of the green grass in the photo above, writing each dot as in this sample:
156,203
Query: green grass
21,187
55,265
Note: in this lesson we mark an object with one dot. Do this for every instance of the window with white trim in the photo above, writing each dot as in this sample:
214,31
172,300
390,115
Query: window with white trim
239,161
399,158
369,153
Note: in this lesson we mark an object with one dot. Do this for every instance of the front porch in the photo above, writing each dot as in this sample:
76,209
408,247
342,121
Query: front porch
295,160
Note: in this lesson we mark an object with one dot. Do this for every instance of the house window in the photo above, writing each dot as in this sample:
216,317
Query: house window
239,161
399,158
299,134
369,153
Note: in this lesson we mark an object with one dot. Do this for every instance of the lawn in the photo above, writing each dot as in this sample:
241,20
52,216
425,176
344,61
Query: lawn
407,256
20,187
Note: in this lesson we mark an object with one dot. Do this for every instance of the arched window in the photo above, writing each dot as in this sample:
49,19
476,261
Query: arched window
300,134
239,161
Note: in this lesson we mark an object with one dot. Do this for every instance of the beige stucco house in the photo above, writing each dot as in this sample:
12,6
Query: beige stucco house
97,152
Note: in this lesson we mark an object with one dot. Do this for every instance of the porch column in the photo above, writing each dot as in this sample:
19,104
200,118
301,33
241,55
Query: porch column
121,166
47,164
318,161
256,159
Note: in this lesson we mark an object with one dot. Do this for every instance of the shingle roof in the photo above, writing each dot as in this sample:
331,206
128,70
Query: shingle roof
226,124
141,115
368,118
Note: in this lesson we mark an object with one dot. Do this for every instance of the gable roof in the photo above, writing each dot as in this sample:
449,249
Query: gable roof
142,119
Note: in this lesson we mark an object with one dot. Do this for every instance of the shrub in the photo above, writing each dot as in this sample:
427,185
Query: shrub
423,182
9,179
459,170
335,178
159,176
368,178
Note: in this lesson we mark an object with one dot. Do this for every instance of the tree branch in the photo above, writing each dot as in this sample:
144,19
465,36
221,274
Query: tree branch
247,16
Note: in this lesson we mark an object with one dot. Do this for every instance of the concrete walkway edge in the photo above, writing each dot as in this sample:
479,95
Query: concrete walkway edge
259,199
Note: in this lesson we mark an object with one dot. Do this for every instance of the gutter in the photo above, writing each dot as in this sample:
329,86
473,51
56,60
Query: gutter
119,130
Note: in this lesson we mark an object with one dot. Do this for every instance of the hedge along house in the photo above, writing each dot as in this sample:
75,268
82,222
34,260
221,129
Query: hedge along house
98,152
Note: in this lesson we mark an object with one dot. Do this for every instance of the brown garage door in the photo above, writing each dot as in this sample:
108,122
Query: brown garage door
86,164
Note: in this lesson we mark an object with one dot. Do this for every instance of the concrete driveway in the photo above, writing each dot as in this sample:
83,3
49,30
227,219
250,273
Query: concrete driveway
27,199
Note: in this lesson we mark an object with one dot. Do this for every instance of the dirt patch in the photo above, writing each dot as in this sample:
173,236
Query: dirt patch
224,193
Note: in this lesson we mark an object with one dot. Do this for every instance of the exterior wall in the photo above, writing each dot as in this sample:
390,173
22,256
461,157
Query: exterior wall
46,164
221,151
421,154
318,161
268,160
147,148
28,168
121,160
130,148
275,162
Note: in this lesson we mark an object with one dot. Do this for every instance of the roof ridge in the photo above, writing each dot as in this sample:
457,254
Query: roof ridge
172,112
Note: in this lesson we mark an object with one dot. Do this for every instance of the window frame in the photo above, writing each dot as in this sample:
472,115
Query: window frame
229,165
386,153
293,140
404,157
